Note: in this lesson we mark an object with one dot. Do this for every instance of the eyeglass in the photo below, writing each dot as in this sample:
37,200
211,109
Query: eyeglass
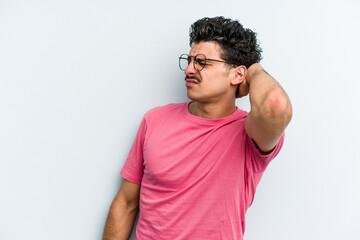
200,61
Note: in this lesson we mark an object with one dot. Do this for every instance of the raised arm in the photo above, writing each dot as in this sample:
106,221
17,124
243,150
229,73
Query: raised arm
122,214
271,109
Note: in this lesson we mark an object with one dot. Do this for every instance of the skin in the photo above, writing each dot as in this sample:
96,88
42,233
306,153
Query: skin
122,214
271,110
213,92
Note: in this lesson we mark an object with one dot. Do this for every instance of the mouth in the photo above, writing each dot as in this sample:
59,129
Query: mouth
192,80
190,83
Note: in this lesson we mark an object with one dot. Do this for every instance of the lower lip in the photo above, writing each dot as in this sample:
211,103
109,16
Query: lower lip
188,84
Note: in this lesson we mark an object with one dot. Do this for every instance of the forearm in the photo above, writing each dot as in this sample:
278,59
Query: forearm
120,221
265,93
270,111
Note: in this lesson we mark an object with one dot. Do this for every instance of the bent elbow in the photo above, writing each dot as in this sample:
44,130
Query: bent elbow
278,107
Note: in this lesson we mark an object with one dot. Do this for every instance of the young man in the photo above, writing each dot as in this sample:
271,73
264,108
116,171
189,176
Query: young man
194,167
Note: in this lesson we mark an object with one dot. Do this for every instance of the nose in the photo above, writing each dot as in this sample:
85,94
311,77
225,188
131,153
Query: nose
190,70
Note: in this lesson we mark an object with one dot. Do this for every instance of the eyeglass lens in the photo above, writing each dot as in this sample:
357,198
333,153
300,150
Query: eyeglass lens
199,61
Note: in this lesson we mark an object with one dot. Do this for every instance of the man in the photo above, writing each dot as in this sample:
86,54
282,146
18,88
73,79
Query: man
194,167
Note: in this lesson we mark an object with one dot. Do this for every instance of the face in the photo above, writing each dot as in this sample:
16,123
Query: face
213,82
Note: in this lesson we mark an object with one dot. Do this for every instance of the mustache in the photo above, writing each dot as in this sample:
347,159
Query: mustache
193,78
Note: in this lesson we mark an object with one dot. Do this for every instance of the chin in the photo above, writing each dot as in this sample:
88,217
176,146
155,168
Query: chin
192,97
197,99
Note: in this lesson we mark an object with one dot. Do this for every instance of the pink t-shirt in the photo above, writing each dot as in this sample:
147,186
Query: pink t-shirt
198,176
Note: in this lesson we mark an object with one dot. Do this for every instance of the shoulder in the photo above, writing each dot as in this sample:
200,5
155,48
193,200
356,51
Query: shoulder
240,116
242,113
165,111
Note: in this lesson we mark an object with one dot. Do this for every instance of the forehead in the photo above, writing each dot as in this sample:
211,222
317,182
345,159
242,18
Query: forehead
209,49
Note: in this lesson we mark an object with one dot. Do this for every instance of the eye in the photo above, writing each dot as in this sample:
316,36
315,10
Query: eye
201,62
200,59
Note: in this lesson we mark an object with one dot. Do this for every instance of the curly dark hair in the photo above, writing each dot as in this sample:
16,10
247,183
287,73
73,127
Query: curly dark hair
239,45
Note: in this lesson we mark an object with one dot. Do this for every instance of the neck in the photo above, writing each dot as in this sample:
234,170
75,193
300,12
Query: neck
212,110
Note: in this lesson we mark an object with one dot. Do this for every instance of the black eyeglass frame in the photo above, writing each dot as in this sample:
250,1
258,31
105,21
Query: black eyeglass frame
182,57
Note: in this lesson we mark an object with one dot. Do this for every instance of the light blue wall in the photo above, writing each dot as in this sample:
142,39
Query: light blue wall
77,76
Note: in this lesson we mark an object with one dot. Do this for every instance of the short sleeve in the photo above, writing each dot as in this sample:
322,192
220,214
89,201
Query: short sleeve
134,167
257,162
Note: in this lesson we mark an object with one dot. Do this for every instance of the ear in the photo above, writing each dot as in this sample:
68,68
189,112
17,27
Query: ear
239,75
